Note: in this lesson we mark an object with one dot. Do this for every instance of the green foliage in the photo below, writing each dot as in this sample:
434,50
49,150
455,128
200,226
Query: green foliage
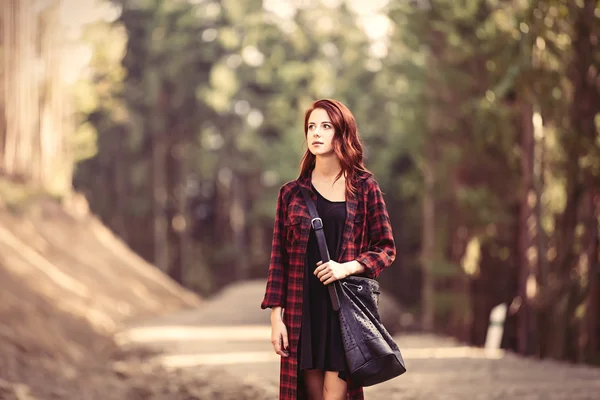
17,196
229,81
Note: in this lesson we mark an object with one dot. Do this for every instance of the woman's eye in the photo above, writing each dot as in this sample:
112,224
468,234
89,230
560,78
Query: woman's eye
327,126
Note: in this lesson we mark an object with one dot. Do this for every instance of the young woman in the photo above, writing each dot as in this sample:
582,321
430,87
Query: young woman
305,329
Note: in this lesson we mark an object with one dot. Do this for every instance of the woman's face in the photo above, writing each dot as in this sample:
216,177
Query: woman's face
320,133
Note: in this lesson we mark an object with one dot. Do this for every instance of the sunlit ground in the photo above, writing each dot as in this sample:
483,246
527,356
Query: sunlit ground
218,349
438,367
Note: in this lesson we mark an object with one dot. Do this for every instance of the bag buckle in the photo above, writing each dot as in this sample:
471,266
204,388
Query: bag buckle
316,223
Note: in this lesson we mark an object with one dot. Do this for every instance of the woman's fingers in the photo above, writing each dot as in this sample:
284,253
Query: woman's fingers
276,342
325,272
326,276
320,268
280,344
285,350
284,340
277,347
321,273
283,345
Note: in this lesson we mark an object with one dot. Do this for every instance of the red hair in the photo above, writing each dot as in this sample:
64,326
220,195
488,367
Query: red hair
346,143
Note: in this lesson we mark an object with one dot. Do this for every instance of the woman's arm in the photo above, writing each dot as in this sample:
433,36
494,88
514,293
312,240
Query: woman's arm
382,249
381,252
276,291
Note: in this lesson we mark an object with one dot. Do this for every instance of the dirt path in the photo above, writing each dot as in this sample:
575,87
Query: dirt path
438,368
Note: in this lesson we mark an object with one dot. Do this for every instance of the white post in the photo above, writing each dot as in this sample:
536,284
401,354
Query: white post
495,330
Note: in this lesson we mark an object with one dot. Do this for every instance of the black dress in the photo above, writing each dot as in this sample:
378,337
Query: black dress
320,337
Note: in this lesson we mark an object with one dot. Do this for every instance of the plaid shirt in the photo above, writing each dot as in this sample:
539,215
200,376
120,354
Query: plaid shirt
367,238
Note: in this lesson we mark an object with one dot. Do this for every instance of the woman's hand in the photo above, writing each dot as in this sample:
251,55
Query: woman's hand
332,271
279,336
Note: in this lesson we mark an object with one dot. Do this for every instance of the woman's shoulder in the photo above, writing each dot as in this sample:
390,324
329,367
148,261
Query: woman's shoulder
287,189
367,180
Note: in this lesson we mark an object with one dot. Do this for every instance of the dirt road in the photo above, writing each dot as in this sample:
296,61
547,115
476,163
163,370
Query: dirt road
438,368
220,336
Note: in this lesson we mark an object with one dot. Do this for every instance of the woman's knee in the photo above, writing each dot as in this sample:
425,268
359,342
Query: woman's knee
334,388
313,381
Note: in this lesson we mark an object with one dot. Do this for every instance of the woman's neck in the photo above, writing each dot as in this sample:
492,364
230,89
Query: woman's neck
327,168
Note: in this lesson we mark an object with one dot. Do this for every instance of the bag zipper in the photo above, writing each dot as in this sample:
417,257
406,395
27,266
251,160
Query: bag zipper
358,287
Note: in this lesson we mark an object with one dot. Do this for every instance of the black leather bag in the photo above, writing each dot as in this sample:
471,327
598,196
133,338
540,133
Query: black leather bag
371,353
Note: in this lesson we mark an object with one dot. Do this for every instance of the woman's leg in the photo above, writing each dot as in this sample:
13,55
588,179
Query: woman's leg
334,388
313,380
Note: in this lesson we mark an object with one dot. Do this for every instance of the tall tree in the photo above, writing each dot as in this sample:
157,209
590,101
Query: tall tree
37,128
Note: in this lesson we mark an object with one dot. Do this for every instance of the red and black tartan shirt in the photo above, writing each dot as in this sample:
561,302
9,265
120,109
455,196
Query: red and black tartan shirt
367,238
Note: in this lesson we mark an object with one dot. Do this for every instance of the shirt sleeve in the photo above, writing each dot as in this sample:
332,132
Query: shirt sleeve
276,291
382,249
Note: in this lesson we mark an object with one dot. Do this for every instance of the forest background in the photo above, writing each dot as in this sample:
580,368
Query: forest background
179,121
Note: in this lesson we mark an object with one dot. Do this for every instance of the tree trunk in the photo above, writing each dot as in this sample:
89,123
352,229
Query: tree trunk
54,161
585,105
21,108
35,128
588,344
180,240
428,240
120,170
184,218
160,198
526,230
560,298
237,219
582,113
4,45
461,318
542,318
429,233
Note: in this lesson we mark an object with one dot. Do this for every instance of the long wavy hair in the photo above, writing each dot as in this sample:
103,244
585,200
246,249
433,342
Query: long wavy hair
346,143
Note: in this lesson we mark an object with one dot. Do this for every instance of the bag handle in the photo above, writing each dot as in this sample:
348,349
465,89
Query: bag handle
317,225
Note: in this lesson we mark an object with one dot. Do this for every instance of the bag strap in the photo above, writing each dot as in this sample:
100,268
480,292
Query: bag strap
317,225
